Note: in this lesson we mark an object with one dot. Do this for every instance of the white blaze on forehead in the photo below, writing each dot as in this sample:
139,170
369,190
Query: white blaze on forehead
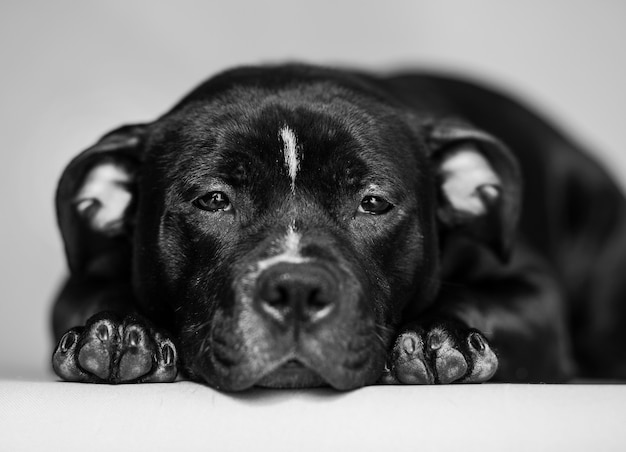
290,243
290,152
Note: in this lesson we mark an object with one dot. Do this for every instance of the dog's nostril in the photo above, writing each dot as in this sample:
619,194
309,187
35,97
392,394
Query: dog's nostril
274,300
301,291
317,301
277,298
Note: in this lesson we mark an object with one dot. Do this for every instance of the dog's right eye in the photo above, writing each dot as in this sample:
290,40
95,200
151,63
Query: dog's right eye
375,205
213,202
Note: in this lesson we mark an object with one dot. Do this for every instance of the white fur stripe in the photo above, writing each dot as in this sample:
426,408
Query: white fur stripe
290,151
292,240
290,251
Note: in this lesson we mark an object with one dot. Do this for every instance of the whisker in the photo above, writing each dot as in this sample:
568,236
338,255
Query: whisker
380,332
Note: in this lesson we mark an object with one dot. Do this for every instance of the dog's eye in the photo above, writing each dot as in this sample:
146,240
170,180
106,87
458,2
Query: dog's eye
213,201
375,205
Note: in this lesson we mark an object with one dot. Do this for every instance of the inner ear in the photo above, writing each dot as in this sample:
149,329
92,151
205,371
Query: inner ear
105,196
479,187
469,184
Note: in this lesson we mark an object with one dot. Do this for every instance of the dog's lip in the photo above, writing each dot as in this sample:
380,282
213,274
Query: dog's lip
292,373
292,364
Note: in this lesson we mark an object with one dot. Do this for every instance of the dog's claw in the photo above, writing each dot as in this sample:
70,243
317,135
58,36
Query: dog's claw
484,359
103,331
67,341
441,354
168,355
64,360
108,350
166,359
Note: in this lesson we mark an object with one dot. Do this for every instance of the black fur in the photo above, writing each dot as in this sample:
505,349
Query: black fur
420,294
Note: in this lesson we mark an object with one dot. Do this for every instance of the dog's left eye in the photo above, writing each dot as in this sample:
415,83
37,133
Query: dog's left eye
375,205
213,201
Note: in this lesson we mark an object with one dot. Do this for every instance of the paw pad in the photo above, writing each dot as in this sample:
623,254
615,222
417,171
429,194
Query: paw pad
108,350
409,365
441,354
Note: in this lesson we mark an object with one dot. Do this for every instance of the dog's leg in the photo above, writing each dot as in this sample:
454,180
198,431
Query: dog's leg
442,352
115,345
100,337
510,328
110,349
599,317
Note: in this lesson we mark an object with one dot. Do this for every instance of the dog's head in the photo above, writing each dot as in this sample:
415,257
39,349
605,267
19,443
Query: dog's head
281,221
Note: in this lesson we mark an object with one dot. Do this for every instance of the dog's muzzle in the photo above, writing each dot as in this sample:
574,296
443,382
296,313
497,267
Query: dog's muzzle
293,324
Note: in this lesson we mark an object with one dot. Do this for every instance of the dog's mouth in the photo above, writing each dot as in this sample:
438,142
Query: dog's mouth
293,373
292,364
296,325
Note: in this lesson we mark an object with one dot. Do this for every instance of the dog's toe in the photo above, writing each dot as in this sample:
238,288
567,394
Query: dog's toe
440,354
135,353
410,365
64,360
98,347
450,364
165,369
484,360
108,350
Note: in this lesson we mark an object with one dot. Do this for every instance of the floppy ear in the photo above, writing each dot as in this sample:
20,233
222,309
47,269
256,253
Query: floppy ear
480,185
95,201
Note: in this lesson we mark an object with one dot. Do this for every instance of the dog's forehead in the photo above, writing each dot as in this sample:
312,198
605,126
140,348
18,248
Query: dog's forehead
292,138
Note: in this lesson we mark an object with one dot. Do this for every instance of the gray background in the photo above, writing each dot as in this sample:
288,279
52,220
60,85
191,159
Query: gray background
71,71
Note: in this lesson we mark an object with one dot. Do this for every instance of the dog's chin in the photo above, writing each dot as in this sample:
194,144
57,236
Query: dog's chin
292,375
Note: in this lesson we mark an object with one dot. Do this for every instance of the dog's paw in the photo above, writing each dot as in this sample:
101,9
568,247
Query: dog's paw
440,354
110,350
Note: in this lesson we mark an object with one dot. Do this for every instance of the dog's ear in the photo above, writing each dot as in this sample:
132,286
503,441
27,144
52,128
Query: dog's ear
479,185
95,202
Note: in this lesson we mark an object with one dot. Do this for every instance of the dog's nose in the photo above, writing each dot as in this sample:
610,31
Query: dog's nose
289,292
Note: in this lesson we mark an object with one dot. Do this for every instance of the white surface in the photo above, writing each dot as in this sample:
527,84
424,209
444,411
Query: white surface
183,416
74,70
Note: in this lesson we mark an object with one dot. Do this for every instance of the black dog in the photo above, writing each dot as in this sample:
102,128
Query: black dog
297,226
